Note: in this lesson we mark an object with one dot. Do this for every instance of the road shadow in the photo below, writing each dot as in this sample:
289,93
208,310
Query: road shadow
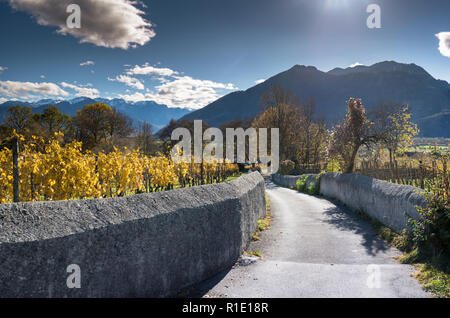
345,219
201,289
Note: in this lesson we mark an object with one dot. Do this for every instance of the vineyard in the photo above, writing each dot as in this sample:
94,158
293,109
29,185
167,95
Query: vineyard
409,171
406,171
48,170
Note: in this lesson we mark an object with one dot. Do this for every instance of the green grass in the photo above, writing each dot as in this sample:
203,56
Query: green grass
263,224
234,177
433,280
256,253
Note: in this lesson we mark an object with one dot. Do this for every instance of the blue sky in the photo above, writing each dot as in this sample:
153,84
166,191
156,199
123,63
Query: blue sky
187,53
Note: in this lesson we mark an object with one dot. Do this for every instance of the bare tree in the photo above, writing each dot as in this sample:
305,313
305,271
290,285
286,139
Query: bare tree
303,135
280,110
144,138
18,118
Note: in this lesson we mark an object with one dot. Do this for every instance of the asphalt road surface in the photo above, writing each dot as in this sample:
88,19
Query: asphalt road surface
315,248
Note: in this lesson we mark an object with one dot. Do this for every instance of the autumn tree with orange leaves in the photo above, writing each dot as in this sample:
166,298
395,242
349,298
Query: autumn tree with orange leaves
349,136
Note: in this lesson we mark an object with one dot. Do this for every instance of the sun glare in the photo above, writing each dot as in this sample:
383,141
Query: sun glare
333,4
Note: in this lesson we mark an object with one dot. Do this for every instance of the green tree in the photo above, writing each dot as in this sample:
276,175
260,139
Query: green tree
52,120
400,133
98,126
393,123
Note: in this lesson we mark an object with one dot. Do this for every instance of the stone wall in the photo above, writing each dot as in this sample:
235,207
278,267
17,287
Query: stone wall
147,245
391,204
291,181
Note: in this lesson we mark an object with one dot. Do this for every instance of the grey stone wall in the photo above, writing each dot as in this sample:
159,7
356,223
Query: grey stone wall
291,181
285,180
391,204
147,245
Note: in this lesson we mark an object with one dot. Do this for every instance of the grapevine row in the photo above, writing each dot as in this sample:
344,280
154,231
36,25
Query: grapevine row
52,171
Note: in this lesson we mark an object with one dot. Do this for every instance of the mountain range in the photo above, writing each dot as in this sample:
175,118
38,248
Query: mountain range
156,114
428,98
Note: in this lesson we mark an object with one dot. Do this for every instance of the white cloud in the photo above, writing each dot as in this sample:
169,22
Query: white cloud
260,81
183,91
129,81
87,63
174,88
2,100
444,43
107,23
3,68
42,76
25,90
356,64
136,97
147,69
82,90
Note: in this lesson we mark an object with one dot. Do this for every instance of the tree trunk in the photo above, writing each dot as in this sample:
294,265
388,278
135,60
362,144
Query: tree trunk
390,158
351,163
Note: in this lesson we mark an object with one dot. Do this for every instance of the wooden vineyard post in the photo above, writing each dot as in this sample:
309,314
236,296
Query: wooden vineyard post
15,155
422,181
201,172
32,187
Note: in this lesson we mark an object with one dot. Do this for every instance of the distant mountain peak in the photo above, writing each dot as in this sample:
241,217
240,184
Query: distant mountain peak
385,66
384,81
156,114
78,99
44,102
303,68
392,66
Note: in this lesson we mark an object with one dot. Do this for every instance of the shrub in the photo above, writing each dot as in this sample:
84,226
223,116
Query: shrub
431,236
314,188
286,167
433,229
333,166
301,184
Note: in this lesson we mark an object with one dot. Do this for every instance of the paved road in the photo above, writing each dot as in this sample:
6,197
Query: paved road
315,248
